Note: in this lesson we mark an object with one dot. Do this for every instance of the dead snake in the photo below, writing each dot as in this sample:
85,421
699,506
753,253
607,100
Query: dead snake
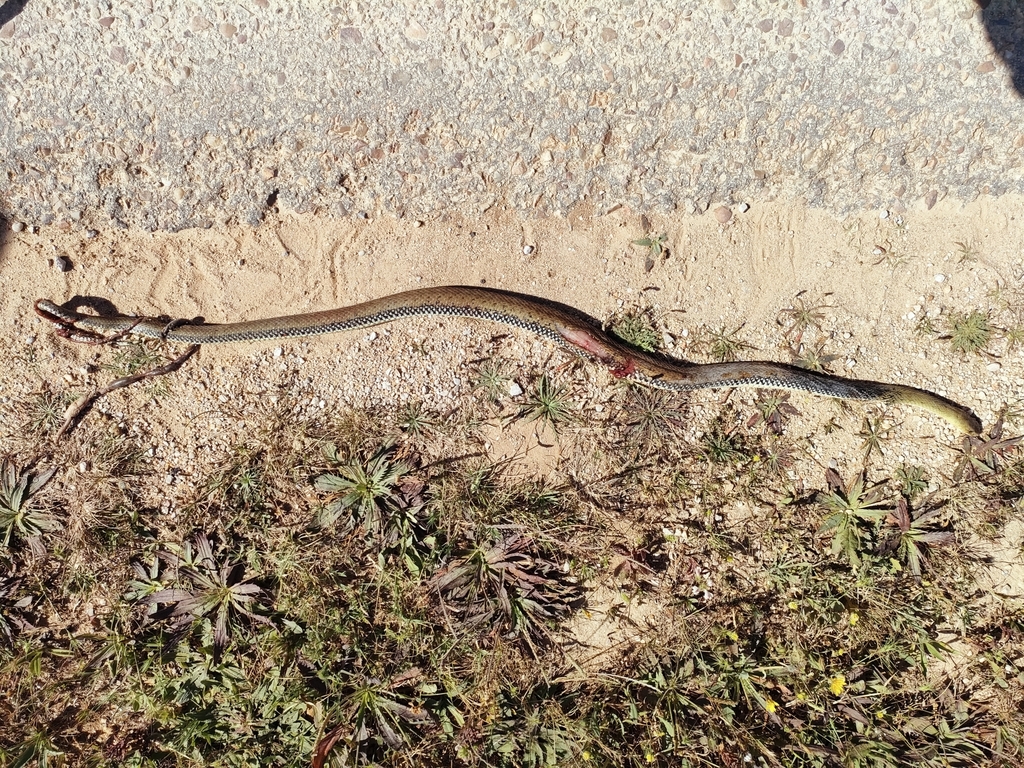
553,321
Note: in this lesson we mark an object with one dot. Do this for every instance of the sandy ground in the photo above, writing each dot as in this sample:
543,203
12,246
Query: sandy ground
875,275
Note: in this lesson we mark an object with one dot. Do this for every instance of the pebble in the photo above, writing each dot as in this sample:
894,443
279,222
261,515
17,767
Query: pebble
723,214
993,367
62,264
514,389
743,207
940,278
17,226
528,249
91,233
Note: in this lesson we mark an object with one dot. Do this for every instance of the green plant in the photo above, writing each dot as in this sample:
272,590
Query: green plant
812,358
12,606
493,379
773,408
637,329
653,417
966,251
548,403
414,420
851,507
18,515
800,317
505,584
656,249
364,489
874,432
207,589
721,344
47,409
912,537
969,332
912,480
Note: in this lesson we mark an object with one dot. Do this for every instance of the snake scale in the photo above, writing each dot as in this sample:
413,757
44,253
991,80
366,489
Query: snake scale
551,320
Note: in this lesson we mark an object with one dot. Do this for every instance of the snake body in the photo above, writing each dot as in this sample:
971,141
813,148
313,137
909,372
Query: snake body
551,320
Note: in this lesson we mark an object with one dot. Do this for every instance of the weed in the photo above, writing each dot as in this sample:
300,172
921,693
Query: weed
532,731
548,403
636,328
800,318
926,326
773,408
133,358
364,489
912,480
721,344
718,447
656,249
207,589
654,417
851,507
969,332
19,516
981,456
493,379
46,410
874,432
912,536
504,584
967,252
812,358
12,607
414,420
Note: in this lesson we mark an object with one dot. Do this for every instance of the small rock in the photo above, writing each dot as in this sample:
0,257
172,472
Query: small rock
883,215
723,214
90,234
106,22
278,351
838,47
940,278
985,67
228,30
993,367
528,250
415,30
514,389
17,226
62,264
743,207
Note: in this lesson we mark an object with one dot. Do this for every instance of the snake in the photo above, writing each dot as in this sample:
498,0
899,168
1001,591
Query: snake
559,323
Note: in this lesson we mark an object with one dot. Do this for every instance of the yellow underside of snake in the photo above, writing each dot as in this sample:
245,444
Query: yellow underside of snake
557,322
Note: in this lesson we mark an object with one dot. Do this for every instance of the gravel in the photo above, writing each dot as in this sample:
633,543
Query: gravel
158,114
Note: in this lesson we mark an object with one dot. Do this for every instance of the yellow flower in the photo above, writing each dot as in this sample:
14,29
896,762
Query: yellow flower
586,755
854,618
837,685
770,706
793,605
801,696
649,757
732,636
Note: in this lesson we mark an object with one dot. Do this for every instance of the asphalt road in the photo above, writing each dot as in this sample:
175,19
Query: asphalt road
159,114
